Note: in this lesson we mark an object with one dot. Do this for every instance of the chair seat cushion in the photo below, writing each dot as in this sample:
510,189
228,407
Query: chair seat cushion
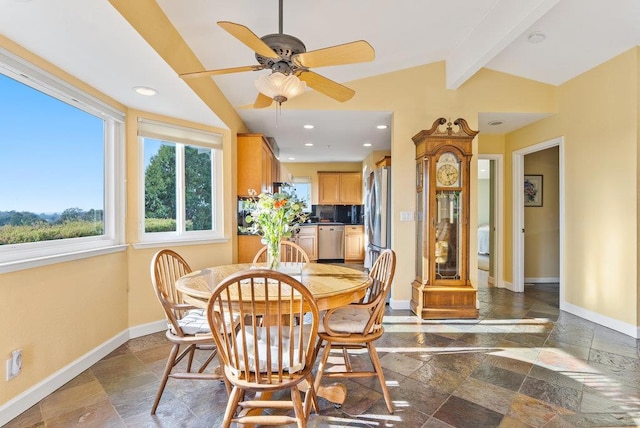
193,322
348,319
292,366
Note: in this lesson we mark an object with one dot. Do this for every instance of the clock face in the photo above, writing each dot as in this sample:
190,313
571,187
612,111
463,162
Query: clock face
447,174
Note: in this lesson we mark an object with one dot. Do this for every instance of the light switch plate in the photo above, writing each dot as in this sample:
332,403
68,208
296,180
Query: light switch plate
406,215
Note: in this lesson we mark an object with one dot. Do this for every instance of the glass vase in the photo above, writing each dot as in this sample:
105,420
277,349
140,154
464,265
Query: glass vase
273,254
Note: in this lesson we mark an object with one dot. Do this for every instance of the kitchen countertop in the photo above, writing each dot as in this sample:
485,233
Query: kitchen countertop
331,223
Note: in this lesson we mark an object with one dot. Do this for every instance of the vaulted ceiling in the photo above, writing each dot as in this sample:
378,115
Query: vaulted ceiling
91,40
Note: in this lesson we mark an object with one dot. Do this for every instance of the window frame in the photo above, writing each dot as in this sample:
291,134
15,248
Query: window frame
182,136
33,254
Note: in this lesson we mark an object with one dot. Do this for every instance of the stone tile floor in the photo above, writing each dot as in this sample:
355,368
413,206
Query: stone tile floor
523,363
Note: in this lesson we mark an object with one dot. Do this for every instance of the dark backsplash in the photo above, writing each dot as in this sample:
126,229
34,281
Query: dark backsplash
348,214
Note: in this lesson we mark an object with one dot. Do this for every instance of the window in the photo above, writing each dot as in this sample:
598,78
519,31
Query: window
181,183
59,167
302,187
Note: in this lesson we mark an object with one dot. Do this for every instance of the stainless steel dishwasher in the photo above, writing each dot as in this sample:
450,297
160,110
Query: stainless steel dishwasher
331,242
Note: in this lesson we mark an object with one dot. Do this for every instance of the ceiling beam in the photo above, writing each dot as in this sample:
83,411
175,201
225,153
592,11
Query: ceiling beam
506,21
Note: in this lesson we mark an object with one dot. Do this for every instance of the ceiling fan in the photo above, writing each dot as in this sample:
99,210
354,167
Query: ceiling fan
290,63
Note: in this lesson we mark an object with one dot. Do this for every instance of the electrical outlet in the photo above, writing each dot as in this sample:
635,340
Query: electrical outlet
14,364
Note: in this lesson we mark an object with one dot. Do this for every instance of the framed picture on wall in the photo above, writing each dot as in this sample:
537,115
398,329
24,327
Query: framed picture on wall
533,190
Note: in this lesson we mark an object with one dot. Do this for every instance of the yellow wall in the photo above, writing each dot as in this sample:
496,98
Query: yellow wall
60,312
491,144
598,118
542,224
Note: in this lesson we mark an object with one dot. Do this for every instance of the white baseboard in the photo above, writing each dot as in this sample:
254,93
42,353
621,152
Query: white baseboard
541,280
149,328
22,402
399,304
508,286
603,320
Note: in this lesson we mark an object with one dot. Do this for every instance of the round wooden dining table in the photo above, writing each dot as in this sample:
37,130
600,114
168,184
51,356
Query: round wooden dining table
332,286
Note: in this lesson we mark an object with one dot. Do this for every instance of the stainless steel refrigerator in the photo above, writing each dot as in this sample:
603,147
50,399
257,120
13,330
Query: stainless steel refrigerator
377,209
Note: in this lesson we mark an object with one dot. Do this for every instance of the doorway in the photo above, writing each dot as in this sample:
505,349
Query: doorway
519,225
494,221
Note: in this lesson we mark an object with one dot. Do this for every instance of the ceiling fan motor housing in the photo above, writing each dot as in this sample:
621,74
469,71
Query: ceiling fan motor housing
285,46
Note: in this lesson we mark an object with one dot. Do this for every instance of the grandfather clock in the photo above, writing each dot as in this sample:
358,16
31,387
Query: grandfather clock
441,288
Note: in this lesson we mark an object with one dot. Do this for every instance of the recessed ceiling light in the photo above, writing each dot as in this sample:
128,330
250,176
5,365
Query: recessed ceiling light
536,37
292,158
495,122
308,144
483,170
145,90
382,127
308,127
367,144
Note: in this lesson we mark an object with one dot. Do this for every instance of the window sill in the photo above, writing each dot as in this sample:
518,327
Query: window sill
58,258
179,242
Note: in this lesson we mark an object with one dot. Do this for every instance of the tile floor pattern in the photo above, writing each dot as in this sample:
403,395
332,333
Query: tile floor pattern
523,363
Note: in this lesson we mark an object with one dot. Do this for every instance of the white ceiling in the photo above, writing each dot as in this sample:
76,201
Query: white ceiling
90,40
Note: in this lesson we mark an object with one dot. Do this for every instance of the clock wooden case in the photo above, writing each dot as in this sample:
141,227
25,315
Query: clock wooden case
441,288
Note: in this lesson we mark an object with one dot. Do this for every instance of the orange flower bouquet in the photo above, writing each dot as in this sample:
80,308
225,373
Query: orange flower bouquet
275,216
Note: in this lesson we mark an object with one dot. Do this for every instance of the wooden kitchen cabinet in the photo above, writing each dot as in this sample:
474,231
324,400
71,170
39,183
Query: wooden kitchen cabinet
258,167
354,243
307,238
248,246
343,188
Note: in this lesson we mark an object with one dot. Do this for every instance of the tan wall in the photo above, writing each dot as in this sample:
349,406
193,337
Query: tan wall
58,313
491,144
542,224
597,116
303,169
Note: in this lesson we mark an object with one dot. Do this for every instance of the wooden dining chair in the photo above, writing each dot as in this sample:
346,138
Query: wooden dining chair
187,325
359,325
272,351
289,252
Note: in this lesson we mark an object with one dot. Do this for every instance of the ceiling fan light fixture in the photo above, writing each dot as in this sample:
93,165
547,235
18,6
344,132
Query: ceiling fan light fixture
280,87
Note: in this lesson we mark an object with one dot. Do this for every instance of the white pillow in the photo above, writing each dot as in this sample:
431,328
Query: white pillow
194,322
348,320
262,344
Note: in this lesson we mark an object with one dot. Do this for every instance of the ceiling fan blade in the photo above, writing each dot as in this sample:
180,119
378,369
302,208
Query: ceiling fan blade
247,37
221,71
348,53
262,101
327,86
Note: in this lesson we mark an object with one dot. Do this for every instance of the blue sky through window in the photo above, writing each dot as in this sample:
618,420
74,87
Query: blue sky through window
51,153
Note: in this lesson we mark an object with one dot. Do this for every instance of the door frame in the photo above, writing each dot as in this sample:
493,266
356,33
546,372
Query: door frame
517,280
498,203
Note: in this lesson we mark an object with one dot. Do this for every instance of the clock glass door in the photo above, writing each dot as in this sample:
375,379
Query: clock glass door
448,234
